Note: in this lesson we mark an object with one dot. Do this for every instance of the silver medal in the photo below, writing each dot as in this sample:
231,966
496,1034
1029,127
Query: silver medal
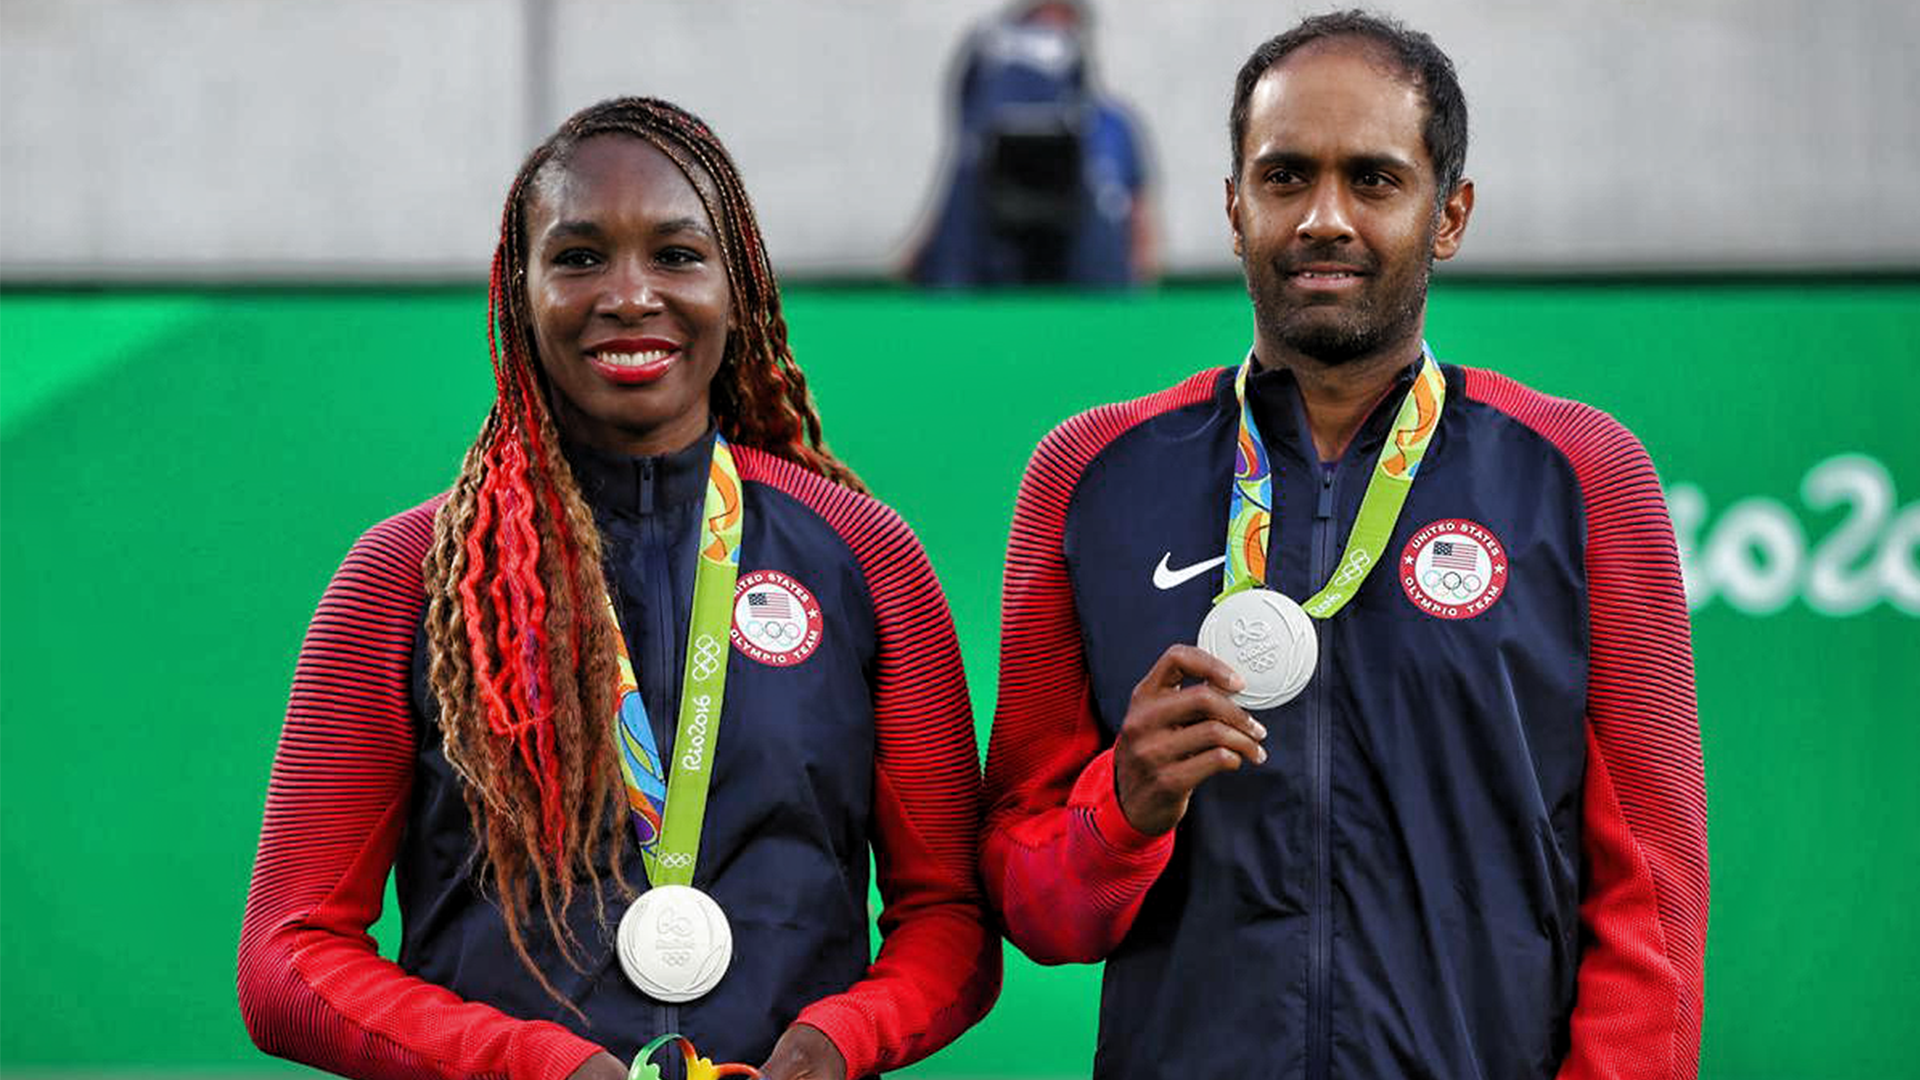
674,943
1268,639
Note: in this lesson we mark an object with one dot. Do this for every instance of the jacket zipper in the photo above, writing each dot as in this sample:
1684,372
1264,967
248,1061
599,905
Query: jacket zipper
1320,769
659,586
659,600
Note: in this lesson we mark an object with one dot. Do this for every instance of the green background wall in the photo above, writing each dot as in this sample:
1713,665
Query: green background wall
180,471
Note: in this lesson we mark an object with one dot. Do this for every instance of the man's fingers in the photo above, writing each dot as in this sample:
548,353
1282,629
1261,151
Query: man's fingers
1155,750
1156,798
1202,701
1187,706
1188,773
1183,662
1198,738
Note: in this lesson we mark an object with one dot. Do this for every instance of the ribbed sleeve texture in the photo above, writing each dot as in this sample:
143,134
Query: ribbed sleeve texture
938,970
312,988
1062,865
1644,906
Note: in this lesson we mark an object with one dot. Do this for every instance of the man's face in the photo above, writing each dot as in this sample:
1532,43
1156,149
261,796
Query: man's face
1333,213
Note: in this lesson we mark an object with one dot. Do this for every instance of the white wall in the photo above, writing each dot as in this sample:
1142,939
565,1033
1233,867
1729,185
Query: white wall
232,139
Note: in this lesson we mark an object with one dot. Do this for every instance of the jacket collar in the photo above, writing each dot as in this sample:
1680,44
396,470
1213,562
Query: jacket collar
635,486
1282,414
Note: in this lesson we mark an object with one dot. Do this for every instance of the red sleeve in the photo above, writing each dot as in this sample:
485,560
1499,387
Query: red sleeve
938,970
312,988
1063,866
1644,908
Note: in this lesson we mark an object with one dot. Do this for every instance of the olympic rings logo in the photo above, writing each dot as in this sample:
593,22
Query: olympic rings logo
1453,583
675,860
1354,569
706,657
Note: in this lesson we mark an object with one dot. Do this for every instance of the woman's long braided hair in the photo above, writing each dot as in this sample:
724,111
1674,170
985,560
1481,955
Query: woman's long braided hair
523,653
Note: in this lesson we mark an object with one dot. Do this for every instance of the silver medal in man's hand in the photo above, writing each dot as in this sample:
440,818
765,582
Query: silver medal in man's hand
1268,639
674,943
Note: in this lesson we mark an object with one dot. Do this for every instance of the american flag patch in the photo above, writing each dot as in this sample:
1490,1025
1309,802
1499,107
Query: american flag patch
1456,555
776,620
771,604
1453,568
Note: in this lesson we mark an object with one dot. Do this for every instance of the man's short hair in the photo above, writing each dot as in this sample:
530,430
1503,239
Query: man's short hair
1412,51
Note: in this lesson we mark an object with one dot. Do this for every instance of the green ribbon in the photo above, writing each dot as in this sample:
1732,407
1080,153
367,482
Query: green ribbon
697,1067
1250,511
668,811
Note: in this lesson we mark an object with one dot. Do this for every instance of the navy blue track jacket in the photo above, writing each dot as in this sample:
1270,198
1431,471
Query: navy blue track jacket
1477,846
846,731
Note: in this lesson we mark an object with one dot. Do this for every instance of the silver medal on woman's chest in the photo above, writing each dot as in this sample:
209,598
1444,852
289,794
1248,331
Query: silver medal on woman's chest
1268,639
674,943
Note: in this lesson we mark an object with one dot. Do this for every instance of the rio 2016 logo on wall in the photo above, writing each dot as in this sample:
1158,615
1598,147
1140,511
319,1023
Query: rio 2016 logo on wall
1756,557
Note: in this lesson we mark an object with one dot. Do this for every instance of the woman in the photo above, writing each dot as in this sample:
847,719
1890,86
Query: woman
465,708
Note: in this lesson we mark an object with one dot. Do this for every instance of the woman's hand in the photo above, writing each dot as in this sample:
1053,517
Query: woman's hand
601,1066
804,1053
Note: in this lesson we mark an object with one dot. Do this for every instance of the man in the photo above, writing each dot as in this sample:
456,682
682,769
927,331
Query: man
1049,179
1474,844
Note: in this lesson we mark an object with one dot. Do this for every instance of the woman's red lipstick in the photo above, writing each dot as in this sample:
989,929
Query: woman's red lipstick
633,360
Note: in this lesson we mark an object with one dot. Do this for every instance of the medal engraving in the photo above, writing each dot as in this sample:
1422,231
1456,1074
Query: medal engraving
1257,650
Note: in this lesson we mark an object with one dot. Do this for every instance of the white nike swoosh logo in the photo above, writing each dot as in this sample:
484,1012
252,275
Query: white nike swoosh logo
1164,578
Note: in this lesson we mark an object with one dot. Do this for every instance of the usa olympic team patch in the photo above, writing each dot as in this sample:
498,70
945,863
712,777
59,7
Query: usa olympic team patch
776,620
1453,569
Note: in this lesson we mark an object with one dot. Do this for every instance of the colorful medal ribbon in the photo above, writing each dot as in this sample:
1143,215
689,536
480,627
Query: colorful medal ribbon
668,808
698,1068
1250,514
